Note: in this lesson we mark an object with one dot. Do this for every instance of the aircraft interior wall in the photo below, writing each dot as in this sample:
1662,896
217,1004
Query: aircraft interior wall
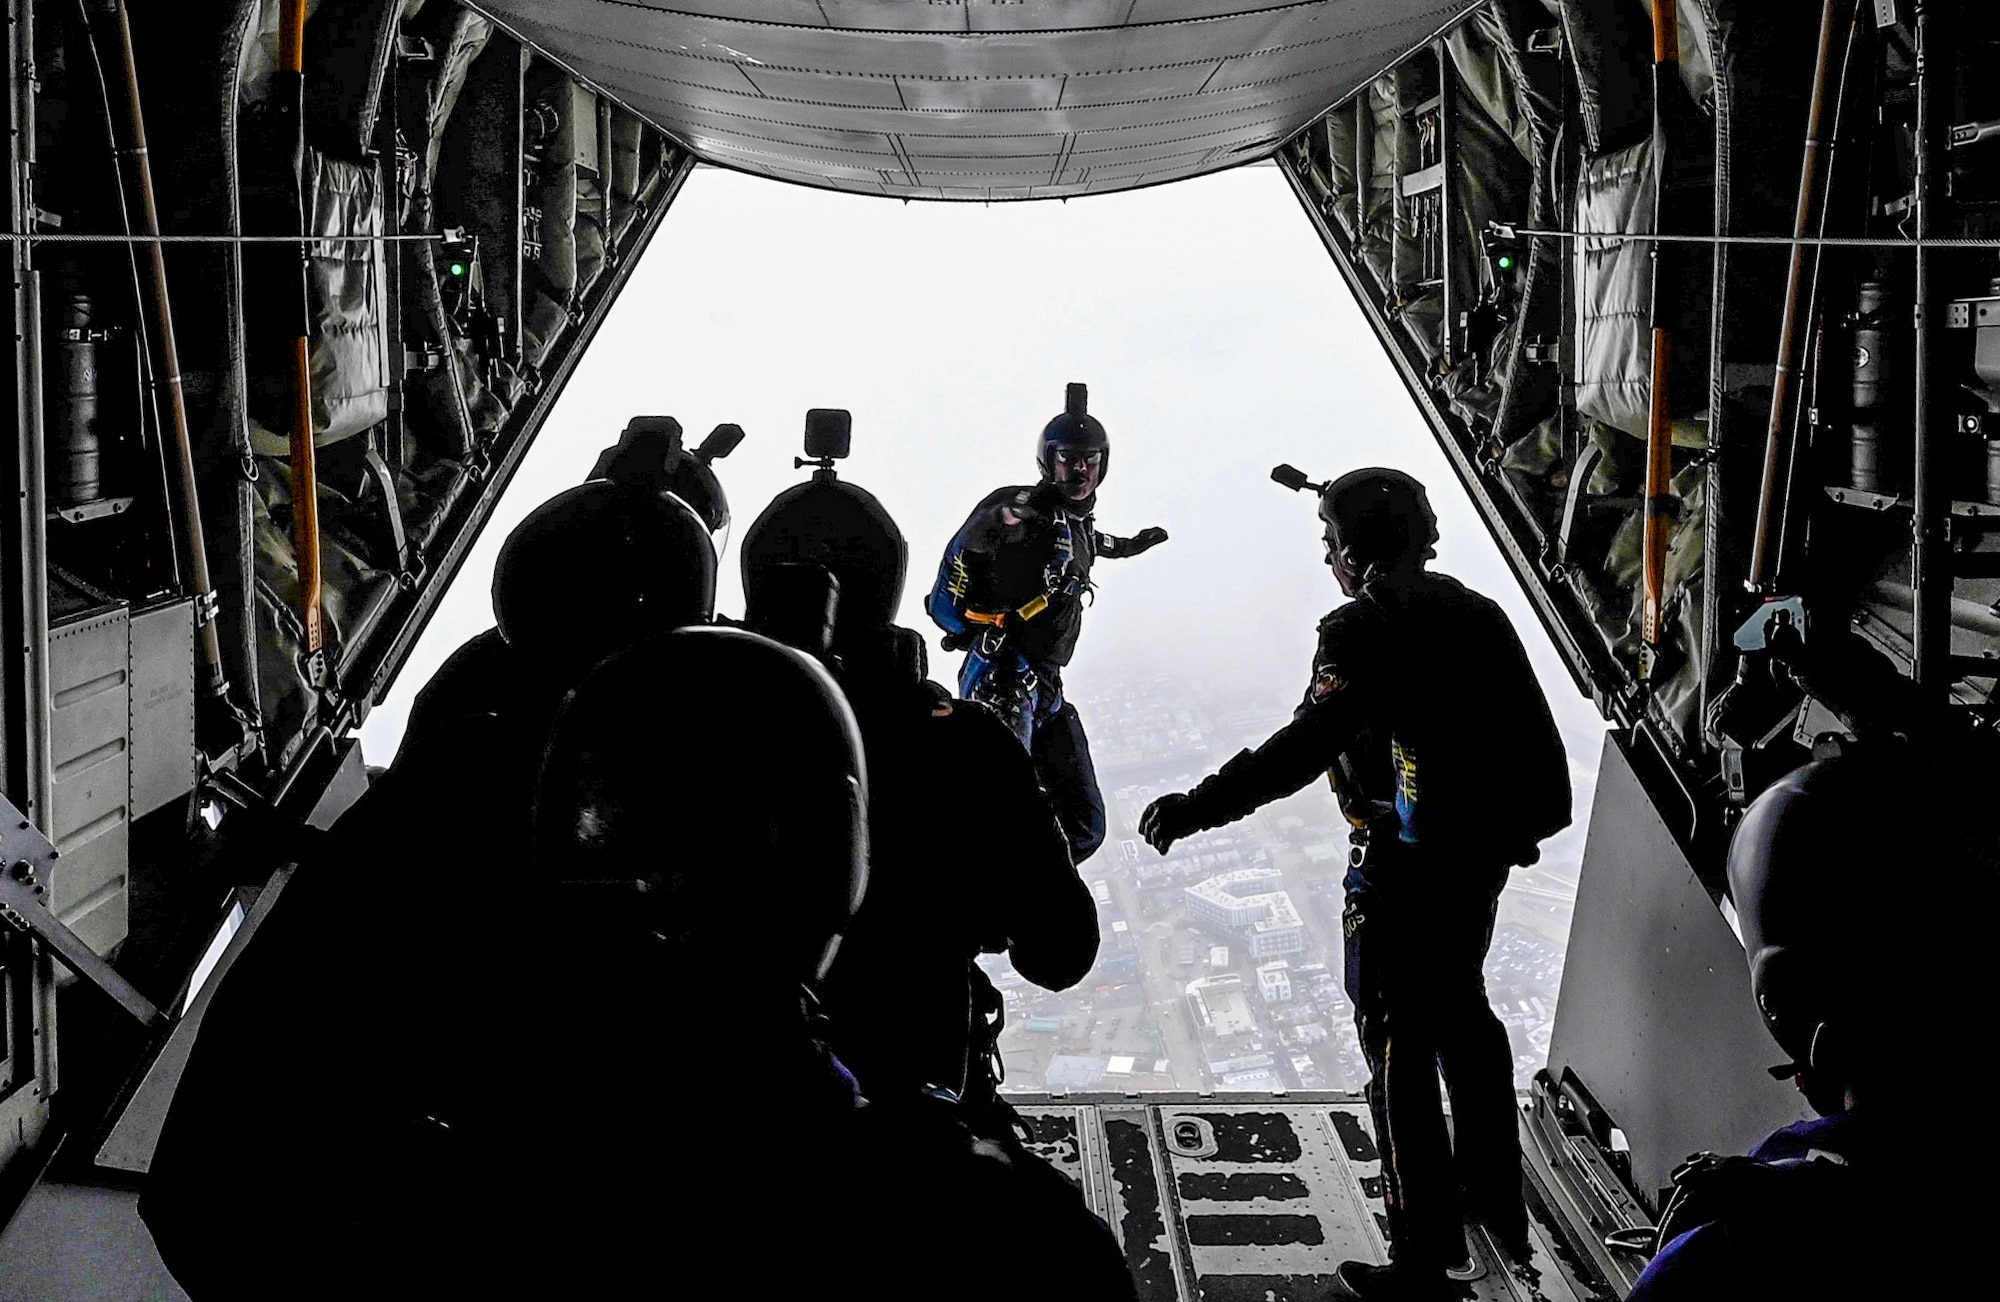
1749,554
479,208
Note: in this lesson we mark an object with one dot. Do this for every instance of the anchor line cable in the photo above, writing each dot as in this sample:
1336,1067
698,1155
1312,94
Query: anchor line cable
1505,231
46,237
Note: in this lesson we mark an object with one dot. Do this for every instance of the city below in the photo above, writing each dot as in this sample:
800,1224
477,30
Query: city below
1220,962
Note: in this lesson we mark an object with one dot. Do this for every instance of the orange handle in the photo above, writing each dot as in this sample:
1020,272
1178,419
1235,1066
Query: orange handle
305,494
1659,475
292,37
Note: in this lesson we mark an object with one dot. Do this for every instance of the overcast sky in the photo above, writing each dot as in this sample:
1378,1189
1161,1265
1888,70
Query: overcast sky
1215,334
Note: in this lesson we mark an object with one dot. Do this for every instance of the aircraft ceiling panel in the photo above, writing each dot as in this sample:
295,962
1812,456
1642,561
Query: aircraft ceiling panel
905,15
617,68
856,168
1277,70
818,88
1228,127
1147,12
1144,173
1165,153
970,101
1141,84
980,95
959,16
1021,181
1034,15
947,149
710,125
802,13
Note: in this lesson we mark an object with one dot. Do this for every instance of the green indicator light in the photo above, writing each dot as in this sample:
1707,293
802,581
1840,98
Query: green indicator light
1506,262
458,268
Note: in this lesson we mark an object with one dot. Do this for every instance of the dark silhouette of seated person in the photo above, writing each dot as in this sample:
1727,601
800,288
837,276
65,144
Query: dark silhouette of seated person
598,1071
592,570
739,875
1868,964
382,1018
967,854
372,997
631,552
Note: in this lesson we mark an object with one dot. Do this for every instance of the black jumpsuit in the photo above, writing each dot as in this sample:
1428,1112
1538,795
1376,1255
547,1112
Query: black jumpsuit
965,857
429,1077
1426,716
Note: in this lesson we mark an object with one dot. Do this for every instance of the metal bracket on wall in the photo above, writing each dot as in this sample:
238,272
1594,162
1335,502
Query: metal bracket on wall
27,861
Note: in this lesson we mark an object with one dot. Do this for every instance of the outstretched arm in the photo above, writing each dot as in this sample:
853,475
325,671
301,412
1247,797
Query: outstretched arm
1292,757
1117,549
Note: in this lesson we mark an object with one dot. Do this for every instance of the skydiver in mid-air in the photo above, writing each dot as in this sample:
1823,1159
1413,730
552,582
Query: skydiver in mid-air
1010,593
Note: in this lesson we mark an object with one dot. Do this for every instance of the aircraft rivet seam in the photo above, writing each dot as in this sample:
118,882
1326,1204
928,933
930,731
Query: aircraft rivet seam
1341,37
1197,20
903,163
992,135
834,74
968,112
1249,129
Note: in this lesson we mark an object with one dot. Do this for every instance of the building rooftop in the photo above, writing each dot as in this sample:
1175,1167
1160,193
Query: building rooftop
1281,916
1241,887
1068,1071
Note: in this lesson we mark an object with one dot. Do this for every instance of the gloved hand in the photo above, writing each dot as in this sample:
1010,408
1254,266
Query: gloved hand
1029,506
1145,540
1170,818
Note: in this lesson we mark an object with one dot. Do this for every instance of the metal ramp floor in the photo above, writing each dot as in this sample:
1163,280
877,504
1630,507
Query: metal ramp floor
1248,1198
1233,1198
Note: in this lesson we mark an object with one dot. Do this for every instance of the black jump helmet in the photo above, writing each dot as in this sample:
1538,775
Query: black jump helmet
1075,428
1378,518
599,567
1830,954
650,454
842,529
764,837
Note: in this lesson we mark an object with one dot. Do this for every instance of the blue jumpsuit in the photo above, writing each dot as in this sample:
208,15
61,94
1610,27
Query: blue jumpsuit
1812,1212
1013,597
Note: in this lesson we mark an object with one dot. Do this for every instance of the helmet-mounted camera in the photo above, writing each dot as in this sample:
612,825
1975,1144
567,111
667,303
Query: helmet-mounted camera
650,455
836,526
1374,516
1295,479
829,435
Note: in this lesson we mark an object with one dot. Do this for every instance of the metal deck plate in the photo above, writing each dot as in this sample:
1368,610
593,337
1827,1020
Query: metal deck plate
1256,1200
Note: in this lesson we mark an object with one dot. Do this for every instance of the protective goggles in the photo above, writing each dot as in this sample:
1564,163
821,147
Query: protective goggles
1080,459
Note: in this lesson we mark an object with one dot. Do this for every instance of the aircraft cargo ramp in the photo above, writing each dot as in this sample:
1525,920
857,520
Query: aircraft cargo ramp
1257,1198
1239,1197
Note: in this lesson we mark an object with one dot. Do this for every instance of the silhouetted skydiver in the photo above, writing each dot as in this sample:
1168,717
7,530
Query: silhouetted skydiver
593,569
547,1095
1875,984
739,874
966,853
395,937
1426,716
1010,593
